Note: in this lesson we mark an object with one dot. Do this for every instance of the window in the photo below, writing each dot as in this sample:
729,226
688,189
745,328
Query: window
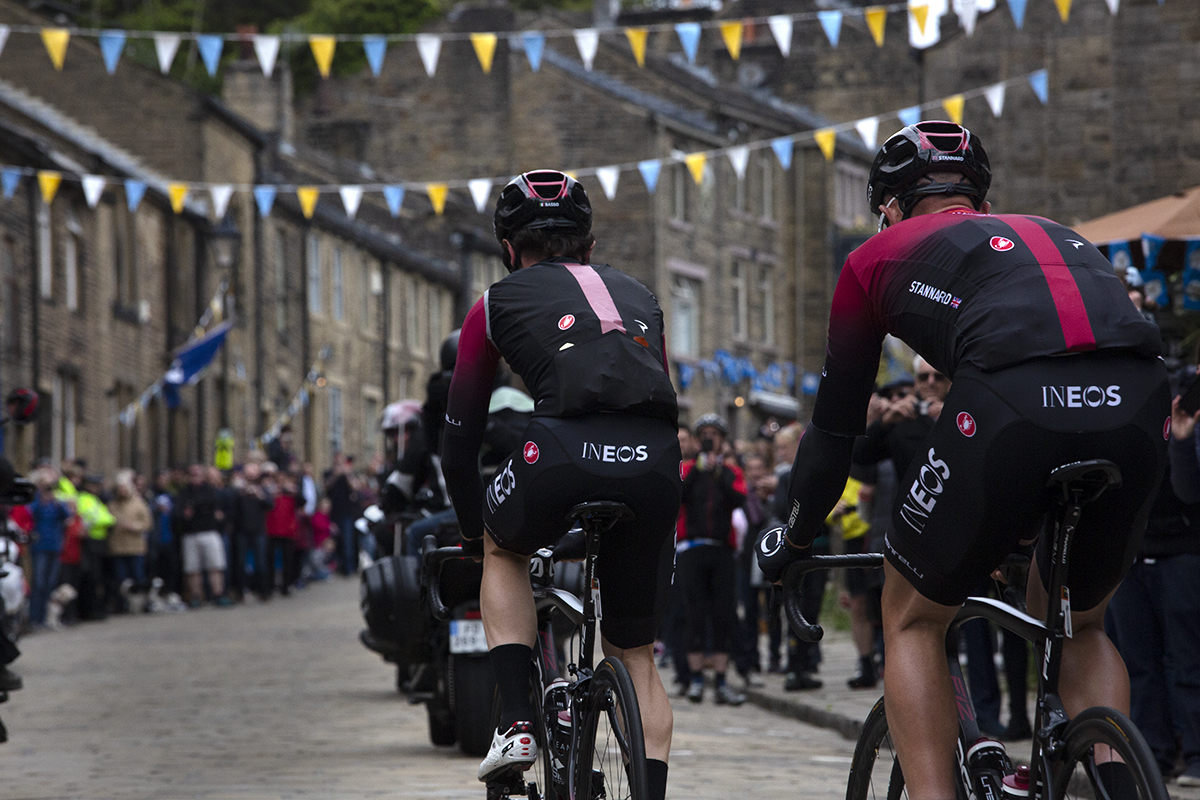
739,193
124,271
766,288
280,281
372,290
370,425
767,168
314,274
685,316
337,432
679,191
435,317
63,414
849,209
45,251
339,289
739,305
412,309
485,270
71,247
12,296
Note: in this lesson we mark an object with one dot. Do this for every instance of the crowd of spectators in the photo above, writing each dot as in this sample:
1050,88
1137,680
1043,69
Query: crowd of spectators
94,545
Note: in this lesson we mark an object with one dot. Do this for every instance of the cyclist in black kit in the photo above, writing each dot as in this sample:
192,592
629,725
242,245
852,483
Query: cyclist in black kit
587,340
1051,363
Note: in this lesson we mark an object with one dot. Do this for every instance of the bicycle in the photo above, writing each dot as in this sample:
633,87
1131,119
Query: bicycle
589,727
1063,761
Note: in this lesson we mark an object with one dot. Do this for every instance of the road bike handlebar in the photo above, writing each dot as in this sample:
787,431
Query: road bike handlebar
794,573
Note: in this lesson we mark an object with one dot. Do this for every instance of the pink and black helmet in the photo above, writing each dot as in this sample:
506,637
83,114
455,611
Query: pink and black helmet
542,199
916,151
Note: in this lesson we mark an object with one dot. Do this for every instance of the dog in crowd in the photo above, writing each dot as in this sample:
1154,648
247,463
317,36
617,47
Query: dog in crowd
60,598
155,602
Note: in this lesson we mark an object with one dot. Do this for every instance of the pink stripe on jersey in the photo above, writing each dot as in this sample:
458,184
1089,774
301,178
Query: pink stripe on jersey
1072,314
598,297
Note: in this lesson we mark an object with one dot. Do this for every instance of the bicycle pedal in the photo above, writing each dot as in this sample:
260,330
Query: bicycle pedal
511,782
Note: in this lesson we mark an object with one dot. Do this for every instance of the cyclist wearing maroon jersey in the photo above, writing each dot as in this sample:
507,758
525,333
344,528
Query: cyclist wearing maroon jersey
587,340
1051,363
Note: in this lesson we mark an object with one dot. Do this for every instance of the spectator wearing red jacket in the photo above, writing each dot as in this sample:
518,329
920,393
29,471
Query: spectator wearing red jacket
283,527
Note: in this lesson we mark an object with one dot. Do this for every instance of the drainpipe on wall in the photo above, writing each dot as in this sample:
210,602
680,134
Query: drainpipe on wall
41,447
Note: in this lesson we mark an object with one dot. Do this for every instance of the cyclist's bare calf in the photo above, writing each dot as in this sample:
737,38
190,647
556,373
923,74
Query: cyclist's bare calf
657,718
506,598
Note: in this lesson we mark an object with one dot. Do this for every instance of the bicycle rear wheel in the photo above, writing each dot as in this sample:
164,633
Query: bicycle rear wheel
875,771
610,754
1077,774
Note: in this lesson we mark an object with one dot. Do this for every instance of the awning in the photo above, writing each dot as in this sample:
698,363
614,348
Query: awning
778,405
1176,216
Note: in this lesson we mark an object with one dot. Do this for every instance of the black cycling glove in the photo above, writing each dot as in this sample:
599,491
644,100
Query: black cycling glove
473,547
775,553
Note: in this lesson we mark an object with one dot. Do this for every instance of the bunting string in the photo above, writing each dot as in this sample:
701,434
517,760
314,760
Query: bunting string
480,189
732,33
301,399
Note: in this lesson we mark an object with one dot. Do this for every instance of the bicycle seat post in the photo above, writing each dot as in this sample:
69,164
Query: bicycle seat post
595,518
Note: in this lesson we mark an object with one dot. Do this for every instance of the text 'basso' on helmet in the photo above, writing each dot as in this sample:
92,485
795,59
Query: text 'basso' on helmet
542,199
928,147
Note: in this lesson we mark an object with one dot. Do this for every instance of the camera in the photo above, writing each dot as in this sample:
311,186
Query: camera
707,445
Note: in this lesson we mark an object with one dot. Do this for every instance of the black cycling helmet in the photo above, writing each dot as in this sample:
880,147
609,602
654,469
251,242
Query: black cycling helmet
541,199
449,352
916,151
711,421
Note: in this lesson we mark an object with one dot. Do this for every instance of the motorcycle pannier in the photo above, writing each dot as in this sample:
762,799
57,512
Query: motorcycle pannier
390,596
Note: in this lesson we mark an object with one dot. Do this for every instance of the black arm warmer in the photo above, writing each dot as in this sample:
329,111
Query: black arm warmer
818,479
460,455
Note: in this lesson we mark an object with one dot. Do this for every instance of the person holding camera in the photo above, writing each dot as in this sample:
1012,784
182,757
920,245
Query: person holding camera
704,562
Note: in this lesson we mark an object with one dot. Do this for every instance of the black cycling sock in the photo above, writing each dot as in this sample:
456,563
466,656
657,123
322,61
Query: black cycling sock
720,678
656,779
1117,780
511,666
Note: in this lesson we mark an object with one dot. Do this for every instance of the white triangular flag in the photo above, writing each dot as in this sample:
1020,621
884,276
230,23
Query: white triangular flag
4,31
267,50
995,98
781,28
93,187
739,157
429,46
221,193
587,39
480,189
608,177
166,45
868,129
968,13
351,197
1113,5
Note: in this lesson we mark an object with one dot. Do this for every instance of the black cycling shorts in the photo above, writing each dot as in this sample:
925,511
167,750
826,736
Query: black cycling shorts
980,484
564,462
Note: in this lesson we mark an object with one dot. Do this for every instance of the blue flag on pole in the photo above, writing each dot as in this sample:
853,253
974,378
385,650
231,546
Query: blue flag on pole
190,360
1191,275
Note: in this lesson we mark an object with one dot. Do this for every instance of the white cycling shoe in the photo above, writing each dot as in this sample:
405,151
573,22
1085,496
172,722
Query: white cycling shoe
514,749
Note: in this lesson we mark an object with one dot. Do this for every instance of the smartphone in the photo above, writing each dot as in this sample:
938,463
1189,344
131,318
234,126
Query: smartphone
1190,402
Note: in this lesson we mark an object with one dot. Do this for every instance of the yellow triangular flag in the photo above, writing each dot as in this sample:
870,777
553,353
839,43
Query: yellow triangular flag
485,48
178,193
921,15
56,40
954,107
826,139
322,50
308,199
695,164
731,32
876,17
1064,8
48,181
437,191
637,43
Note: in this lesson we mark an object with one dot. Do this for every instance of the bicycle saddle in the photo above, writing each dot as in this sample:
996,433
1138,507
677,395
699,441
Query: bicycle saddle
601,512
1087,478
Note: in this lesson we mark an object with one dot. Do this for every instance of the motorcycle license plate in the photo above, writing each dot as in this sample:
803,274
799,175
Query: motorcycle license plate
466,636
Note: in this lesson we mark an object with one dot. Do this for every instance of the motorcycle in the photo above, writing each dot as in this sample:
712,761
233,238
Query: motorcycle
422,614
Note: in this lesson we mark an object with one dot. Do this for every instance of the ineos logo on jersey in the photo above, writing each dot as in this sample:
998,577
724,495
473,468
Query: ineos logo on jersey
966,424
999,243
1080,396
566,321
925,491
531,453
501,487
615,454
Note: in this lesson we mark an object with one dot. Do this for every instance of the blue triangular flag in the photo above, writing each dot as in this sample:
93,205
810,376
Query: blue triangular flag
394,196
134,192
783,151
910,115
375,47
809,383
535,45
650,170
1017,7
689,37
1120,256
1040,81
10,178
210,51
112,43
831,21
264,197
